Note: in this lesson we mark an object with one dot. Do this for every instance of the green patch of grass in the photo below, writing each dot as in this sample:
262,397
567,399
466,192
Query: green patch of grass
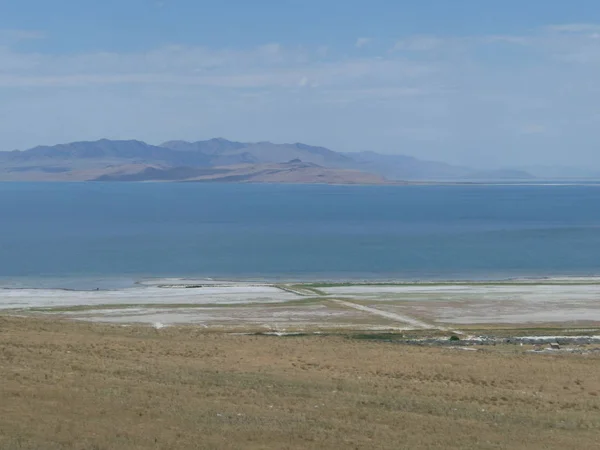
377,336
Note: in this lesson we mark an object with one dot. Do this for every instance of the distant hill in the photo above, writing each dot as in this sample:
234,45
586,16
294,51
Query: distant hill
112,160
292,172
224,152
400,167
85,154
210,147
563,172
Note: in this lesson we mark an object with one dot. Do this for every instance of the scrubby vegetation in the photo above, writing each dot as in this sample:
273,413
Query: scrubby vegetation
67,385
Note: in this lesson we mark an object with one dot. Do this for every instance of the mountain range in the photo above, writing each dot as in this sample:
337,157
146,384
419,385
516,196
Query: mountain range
226,161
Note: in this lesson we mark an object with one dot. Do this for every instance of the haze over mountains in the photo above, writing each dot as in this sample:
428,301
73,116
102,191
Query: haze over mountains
226,161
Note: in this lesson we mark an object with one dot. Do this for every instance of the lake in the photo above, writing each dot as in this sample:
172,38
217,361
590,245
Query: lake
110,234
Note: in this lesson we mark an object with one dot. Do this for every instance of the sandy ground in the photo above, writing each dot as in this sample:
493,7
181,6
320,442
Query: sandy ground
519,303
312,306
55,298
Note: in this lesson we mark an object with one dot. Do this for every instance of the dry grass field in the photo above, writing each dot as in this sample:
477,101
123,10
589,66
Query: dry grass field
69,385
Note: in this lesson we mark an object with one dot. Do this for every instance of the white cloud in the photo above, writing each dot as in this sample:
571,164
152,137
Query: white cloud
362,42
272,49
574,28
12,36
322,51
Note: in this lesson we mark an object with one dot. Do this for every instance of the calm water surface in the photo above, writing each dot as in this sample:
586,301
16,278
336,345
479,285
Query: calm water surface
109,234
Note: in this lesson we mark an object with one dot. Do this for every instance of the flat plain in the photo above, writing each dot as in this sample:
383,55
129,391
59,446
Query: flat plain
224,365
310,307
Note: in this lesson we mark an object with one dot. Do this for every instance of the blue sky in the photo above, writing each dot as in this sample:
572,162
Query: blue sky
488,84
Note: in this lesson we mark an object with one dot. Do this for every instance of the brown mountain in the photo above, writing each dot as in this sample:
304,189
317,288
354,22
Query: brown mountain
295,171
227,160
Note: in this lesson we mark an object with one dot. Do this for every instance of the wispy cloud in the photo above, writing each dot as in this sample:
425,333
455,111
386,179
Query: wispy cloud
574,28
265,66
362,42
13,36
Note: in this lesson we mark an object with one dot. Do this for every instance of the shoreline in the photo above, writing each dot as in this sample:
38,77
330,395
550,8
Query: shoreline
449,307
115,283
390,183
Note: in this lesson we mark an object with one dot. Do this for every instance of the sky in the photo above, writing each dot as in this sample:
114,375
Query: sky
481,83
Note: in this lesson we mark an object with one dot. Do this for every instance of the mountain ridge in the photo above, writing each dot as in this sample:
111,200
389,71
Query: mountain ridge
89,160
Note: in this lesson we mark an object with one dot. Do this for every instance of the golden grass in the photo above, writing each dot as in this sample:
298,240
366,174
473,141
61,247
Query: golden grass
66,385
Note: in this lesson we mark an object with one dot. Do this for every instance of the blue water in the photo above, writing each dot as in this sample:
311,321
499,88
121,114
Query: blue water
95,233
